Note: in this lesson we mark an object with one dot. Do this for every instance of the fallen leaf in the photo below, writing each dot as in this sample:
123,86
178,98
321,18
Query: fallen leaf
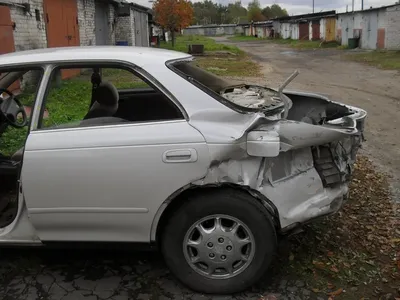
291,257
315,290
334,269
336,293
330,285
268,297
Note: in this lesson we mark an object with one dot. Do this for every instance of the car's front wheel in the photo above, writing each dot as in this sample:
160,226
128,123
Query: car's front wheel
219,242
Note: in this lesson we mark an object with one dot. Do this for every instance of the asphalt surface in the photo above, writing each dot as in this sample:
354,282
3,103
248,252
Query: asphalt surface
111,274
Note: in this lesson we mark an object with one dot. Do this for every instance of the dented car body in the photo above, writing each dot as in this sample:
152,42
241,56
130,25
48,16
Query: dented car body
236,154
298,158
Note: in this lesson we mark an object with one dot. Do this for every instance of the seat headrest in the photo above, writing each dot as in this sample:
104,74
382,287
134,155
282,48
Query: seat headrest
106,94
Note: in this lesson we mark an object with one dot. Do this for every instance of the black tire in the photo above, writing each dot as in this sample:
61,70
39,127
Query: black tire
237,204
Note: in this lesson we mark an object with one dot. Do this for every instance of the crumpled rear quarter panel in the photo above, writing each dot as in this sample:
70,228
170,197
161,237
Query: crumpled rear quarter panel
310,176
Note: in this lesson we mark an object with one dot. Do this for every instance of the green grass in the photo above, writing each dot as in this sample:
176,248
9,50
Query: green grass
230,66
389,60
222,64
305,44
183,41
244,38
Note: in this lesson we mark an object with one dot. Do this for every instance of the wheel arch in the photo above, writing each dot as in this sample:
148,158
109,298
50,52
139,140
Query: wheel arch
179,196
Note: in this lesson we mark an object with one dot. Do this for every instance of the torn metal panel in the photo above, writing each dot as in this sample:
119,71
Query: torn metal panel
253,97
301,163
297,149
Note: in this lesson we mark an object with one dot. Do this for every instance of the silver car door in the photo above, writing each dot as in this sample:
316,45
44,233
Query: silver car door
106,183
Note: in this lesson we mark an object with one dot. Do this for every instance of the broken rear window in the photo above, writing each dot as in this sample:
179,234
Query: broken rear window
240,97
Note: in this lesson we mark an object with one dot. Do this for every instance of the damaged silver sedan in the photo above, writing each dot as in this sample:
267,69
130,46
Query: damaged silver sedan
210,171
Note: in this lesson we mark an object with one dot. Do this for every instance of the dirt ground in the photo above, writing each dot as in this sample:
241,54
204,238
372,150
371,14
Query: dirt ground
115,274
326,72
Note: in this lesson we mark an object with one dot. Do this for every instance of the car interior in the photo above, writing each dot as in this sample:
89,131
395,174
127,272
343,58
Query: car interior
108,105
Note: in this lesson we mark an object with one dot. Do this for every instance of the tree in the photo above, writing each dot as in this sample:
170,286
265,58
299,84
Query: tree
254,11
206,12
173,15
275,11
236,12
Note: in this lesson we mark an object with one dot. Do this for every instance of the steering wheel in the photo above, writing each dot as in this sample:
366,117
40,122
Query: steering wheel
11,108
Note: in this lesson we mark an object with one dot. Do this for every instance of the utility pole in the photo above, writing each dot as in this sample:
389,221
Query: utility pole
352,6
313,6
362,4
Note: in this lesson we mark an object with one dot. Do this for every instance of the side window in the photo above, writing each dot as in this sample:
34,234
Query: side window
97,96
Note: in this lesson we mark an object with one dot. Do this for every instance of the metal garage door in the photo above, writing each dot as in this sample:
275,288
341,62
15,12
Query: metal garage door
304,30
141,33
7,36
61,23
330,29
62,26
101,23
316,35
369,37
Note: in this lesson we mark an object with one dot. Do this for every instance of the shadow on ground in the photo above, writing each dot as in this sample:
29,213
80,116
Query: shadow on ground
116,274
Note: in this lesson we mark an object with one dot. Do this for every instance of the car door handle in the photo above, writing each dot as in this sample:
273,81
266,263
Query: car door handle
180,156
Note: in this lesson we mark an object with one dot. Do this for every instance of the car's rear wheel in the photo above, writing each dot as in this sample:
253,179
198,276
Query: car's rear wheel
219,242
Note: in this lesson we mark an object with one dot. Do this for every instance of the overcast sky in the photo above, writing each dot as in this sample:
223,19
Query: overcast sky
303,6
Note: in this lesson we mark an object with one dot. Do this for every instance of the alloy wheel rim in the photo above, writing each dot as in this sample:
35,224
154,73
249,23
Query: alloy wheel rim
219,246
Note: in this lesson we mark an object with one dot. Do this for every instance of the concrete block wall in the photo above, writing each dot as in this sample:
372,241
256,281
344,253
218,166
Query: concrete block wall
392,39
86,20
29,33
112,21
214,30
133,36
383,34
124,30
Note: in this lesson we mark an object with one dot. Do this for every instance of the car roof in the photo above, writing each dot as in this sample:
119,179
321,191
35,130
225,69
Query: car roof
137,55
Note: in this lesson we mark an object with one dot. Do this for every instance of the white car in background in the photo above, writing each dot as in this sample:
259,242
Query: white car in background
211,172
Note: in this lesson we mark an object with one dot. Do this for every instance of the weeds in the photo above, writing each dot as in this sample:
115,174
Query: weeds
389,60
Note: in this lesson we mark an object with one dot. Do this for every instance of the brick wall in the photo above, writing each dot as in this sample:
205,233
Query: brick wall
86,19
133,28
123,30
87,22
29,33
393,28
